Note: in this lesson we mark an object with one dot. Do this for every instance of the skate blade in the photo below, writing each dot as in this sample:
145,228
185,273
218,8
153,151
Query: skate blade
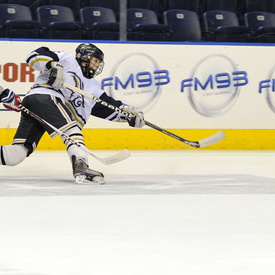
81,179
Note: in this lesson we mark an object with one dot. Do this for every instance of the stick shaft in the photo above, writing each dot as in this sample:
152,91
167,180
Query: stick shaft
191,143
197,144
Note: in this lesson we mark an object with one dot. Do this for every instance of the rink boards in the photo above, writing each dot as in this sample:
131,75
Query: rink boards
190,89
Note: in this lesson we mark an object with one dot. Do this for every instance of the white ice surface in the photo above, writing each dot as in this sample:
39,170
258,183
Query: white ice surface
160,213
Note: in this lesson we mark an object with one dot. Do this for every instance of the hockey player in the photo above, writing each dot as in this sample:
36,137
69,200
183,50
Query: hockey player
61,107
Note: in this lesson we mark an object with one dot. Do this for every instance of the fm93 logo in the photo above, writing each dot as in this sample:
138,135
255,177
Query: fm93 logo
214,85
138,80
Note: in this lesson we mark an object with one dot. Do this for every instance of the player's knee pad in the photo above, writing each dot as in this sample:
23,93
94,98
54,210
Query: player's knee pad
12,155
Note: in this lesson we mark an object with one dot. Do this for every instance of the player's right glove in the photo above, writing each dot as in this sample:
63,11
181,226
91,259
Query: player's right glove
136,118
9,99
56,74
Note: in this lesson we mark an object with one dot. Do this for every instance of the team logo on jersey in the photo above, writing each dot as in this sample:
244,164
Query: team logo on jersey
214,85
76,99
136,79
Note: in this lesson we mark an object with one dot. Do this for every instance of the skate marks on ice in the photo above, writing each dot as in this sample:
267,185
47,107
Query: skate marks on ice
139,185
11,271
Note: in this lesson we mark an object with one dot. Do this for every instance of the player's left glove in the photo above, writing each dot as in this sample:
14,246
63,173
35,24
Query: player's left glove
10,100
136,118
56,74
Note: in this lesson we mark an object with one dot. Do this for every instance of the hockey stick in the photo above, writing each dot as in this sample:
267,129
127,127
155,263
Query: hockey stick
197,144
109,160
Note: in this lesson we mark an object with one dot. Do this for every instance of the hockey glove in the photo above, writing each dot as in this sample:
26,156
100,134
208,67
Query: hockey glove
136,118
10,100
56,74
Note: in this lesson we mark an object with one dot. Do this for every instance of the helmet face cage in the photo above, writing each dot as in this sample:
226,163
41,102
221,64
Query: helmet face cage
84,53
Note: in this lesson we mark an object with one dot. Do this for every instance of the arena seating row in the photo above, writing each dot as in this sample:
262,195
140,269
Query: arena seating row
239,7
101,23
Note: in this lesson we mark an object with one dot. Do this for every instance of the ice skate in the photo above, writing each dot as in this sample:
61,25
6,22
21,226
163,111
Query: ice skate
84,175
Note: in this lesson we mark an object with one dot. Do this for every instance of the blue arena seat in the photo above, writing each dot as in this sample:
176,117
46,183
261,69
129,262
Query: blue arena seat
226,5
155,5
143,25
223,26
183,5
183,25
32,5
258,5
110,4
74,5
59,22
99,23
16,22
262,26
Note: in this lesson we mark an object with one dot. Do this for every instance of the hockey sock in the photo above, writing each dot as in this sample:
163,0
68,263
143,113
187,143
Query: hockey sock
72,149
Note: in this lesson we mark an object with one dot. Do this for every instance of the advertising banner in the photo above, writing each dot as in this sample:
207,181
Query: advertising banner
178,86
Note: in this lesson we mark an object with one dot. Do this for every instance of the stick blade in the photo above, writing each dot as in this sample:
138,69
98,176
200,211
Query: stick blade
212,139
117,157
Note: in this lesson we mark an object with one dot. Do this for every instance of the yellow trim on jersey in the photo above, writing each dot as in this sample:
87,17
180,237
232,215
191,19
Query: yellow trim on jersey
77,82
39,59
60,107
74,114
